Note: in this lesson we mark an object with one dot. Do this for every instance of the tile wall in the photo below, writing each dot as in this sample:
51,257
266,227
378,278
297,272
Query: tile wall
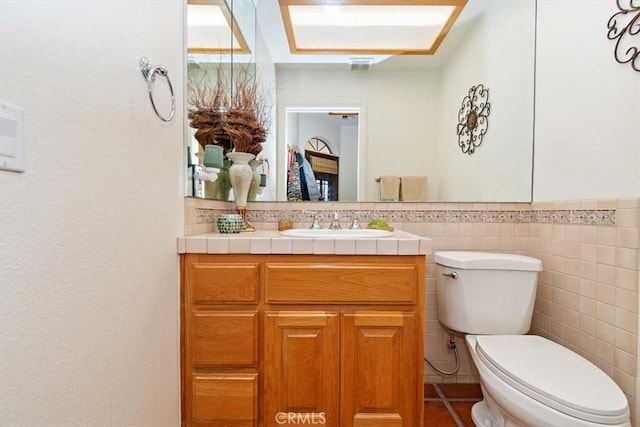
587,297
588,292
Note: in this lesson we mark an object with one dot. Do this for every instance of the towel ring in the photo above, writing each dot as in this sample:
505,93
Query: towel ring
149,72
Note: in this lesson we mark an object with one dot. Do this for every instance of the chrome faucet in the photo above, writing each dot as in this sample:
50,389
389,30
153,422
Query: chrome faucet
335,223
355,225
315,225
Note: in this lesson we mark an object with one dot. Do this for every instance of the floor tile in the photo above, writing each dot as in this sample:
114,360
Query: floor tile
446,403
437,415
461,391
463,411
430,392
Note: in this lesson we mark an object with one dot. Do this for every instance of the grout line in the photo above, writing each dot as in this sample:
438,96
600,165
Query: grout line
452,412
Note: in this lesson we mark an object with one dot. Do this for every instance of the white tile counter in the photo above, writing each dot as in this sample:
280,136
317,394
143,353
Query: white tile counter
272,242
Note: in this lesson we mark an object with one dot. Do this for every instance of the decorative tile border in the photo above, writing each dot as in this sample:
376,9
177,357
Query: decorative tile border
578,216
559,216
594,217
206,216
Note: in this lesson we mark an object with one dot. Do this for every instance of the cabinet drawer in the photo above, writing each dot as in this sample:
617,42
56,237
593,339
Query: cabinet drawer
225,400
224,338
350,283
224,283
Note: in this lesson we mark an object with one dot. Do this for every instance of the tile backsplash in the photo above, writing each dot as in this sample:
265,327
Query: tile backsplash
201,214
587,297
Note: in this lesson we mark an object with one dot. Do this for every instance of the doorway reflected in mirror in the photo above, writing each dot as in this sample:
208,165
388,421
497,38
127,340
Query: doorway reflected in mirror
325,165
327,140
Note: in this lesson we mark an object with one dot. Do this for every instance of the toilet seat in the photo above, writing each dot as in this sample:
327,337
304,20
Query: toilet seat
554,376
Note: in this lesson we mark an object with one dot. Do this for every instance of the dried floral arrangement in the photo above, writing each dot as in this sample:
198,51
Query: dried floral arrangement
208,98
231,109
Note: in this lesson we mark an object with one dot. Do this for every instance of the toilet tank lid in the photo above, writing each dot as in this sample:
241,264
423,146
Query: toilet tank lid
487,261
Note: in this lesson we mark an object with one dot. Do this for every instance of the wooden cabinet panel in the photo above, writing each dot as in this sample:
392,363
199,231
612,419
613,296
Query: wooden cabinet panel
224,338
272,340
224,283
301,366
378,420
379,369
340,283
225,400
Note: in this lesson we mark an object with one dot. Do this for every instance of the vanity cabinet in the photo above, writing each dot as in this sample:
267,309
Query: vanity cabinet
272,340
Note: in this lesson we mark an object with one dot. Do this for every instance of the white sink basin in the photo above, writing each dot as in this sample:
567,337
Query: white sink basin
332,234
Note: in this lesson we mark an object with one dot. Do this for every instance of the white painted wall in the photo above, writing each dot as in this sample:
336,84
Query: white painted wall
313,125
89,280
587,107
500,168
398,112
267,75
349,163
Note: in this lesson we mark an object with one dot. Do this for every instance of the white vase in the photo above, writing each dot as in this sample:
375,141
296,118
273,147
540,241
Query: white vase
255,180
240,175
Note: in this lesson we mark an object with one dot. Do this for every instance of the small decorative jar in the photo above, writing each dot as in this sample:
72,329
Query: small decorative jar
229,223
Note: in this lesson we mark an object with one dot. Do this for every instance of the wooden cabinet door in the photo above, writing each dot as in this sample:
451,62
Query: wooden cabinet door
379,382
301,368
224,400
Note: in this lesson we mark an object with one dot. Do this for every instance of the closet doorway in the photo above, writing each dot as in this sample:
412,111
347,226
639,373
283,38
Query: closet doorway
330,140
325,165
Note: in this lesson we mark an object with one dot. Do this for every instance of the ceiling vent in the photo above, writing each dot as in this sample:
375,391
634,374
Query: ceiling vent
360,64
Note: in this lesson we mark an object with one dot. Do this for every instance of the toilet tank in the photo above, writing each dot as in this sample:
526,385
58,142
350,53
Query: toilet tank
486,293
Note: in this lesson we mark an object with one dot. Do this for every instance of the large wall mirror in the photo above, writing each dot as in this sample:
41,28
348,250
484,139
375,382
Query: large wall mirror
400,117
221,49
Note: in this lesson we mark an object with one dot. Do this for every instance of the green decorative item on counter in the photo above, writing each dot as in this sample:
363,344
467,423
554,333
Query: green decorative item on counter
229,223
380,224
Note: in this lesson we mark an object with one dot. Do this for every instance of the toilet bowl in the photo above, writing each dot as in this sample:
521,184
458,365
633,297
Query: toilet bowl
526,380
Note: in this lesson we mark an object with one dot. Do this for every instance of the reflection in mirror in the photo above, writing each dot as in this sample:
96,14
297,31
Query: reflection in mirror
409,116
408,104
221,49
354,26
213,28
328,139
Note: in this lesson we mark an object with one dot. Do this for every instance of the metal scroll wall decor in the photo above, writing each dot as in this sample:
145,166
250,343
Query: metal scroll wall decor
624,27
473,119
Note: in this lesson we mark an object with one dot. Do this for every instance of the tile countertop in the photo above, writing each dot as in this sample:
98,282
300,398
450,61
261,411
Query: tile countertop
272,242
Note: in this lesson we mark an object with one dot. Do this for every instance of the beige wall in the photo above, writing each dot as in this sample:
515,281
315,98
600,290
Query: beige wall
587,138
89,276
587,295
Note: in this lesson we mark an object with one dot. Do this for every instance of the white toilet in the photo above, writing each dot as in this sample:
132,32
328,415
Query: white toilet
526,380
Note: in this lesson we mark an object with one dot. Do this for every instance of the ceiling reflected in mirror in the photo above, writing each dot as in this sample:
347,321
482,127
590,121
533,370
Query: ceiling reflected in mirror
277,31
372,27
209,28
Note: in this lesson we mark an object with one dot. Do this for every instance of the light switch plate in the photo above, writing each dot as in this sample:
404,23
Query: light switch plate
11,137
